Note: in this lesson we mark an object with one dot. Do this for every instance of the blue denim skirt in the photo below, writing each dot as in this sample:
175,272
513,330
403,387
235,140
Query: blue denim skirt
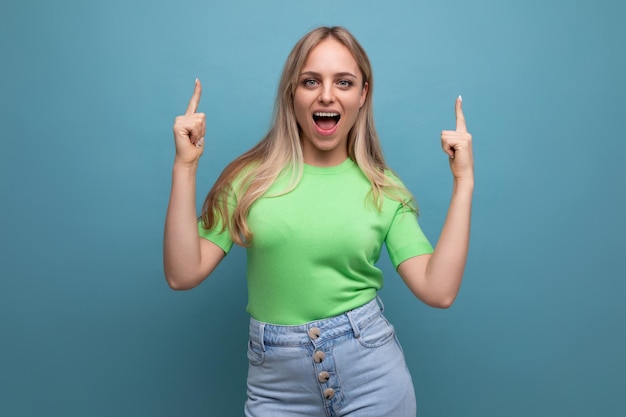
348,365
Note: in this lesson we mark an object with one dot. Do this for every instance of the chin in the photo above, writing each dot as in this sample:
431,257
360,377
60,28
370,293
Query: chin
326,145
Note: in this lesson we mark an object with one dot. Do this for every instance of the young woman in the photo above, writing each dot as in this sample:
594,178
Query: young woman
314,202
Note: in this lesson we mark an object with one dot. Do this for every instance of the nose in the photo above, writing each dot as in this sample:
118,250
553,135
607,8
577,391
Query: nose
326,94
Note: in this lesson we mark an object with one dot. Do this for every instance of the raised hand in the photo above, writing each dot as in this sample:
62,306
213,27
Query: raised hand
189,130
458,145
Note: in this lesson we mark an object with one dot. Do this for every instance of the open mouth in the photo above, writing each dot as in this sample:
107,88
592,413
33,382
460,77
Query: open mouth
326,120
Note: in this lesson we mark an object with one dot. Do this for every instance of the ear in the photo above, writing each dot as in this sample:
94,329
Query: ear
364,91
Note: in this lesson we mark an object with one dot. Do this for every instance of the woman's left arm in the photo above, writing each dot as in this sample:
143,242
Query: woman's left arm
435,279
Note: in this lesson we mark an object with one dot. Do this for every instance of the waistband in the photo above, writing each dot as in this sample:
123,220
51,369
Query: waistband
316,331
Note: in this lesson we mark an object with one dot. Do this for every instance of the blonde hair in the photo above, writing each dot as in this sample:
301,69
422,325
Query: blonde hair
248,177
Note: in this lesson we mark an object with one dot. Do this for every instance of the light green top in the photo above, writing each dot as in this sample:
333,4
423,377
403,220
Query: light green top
314,250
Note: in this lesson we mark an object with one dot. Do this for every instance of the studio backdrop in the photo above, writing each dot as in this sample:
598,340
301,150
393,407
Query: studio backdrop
89,92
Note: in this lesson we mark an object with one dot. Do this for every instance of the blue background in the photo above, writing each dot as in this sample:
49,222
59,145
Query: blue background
89,92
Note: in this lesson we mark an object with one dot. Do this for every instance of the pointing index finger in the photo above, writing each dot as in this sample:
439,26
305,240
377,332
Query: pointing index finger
460,118
195,98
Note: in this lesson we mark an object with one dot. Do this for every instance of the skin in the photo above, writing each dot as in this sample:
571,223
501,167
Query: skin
435,278
187,258
330,81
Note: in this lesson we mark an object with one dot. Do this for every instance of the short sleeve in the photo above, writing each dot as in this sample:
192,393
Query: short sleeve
405,238
216,235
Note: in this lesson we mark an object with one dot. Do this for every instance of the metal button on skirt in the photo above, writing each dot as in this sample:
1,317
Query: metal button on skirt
350,365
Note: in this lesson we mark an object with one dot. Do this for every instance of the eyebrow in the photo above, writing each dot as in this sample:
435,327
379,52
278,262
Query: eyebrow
317,74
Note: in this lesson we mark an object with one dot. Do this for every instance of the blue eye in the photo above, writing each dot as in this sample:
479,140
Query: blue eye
345,83
309,82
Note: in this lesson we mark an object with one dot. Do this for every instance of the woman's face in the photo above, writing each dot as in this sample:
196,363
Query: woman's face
327,100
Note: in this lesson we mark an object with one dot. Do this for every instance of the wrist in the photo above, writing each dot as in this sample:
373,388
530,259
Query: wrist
185,165
464,184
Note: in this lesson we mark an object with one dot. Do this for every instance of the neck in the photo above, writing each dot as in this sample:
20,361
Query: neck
314,156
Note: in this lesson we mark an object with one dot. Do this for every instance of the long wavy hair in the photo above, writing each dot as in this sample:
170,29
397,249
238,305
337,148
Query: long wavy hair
248,177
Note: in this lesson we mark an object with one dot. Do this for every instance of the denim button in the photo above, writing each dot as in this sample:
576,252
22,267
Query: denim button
323,377
329,393
318,356
314,333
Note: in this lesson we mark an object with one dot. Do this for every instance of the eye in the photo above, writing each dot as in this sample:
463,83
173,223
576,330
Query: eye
345,83
309,82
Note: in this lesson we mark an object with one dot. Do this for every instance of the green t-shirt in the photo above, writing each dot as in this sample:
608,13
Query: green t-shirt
314,249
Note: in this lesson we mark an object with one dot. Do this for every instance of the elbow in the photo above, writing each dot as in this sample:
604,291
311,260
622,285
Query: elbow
178,283
442,302
443,305
181,279
177,286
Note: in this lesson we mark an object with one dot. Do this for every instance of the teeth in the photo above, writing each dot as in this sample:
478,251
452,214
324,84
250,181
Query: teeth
325,114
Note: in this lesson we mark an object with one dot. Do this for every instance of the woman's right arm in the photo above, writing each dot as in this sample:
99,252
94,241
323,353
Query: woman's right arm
187,258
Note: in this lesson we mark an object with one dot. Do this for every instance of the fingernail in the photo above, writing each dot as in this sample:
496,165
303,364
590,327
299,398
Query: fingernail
460,98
